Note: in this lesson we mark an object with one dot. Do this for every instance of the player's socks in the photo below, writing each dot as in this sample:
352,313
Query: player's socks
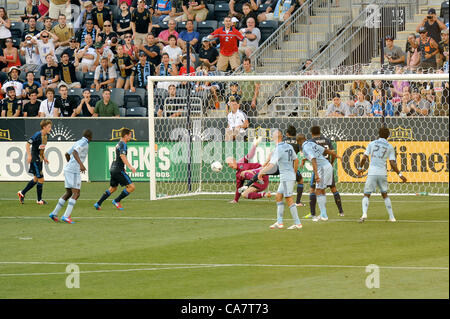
69,207
122,196
280,211
58,207
299,193
388,204
29,186
337,200
365,205
322,201
255,195
39,187
294,214
312,203
105,195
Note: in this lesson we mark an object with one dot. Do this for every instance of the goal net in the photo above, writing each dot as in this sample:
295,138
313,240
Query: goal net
197,120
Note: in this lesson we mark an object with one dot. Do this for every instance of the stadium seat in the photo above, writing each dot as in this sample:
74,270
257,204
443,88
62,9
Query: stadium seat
136,111
221,10
94,100
16,42
80,75
122,111
17,29
132,100
77,99
75,92
267,28
262,7
206,27
96,93
88,79
210,7
141,92
117,96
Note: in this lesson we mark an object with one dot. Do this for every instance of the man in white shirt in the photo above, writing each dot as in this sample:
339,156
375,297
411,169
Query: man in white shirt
47,108
87,55
237,122
13,76
45,45
31,53
105,76
252,36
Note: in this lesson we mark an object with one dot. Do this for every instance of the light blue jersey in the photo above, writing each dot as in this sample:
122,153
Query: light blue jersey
379,151
82,148
312,150
284,156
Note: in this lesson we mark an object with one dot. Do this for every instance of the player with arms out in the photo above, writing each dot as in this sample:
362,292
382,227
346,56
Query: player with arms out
35,148
323,171
75,157
326,143
379,151
285,158
118,174
246,170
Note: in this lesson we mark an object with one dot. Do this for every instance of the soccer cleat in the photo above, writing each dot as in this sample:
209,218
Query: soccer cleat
308,216
392,219
21,197
276,226
300,204
267,194
53,217
341,214
299,226
315,218
41,202
323,218
67,220
362,219
242,189
97,206
117,204
257,141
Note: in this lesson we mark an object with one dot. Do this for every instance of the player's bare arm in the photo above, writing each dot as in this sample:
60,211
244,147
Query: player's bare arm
395,169
67,156
264,170
77,158
28,149
125,161
361,165
295,165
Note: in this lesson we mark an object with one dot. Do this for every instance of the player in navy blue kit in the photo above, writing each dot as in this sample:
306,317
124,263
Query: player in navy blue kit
118,174
35,157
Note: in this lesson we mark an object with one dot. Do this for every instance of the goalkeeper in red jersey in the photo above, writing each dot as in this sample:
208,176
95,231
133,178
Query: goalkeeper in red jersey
245,171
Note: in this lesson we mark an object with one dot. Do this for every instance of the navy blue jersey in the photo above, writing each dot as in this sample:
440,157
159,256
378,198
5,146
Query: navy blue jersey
38,143
293,142
118,165
324,142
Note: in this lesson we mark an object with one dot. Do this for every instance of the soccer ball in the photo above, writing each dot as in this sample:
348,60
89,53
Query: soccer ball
216,166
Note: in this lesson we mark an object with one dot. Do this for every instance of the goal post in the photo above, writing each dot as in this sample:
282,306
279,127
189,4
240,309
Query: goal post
183,147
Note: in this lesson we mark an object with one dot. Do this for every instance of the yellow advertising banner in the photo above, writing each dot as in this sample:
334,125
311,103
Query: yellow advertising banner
418,161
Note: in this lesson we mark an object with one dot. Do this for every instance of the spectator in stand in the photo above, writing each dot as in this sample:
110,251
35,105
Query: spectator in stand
11,106
417,106
43,9
205,70
175,53
46,45
176,12
64,34
382,106
278,10
125,67
141,23
30,28
163,36
237,123
107,34
105,107
152,50
29,11
189,35
252,36
72,49
58,7
172,98
124,20
443,50
100,14
412,53
143,69
432,25
49,73
403,105
194,10
130,49
362,107
428,49
86,14
228,37
337,108
359,85
5,24
398,86
11,55
31,53
208,53
148,4
236,93
236,7
165,68
87,30
65,104
31,86
47,107
85,109
248,12
105,76
250,91
377,86
87,55
392,53
183,69
31,109
162,9
67,72
48,24
13,76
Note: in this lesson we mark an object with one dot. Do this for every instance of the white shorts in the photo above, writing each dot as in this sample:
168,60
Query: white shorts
270,16
326,177
286,188
72,180
373,181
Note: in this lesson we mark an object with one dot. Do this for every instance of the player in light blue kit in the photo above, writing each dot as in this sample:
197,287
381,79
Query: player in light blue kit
76,156
285,157
379,151
323,171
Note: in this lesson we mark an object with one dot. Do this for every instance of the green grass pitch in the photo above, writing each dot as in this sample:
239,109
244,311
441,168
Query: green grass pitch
204,247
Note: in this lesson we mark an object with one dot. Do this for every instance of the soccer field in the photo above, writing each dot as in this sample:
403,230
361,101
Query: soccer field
204,247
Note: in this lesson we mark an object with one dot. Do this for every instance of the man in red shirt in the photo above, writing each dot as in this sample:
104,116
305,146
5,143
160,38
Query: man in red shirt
229,38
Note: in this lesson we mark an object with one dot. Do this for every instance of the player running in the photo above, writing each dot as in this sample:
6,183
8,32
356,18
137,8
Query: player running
326,143
246,170
323,171
35,148
75,157
285,158
379,151
118,174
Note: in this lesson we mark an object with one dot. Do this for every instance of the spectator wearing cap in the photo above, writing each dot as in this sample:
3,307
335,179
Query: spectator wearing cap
125,67
152,50
392,53
11,55
31,109
236,7
432,25
417,106
237,122
72,49
58,7
278,10
123,22
13,81
250,91
31,54
100,14
105,107
64,33
337,108
205,69
104,76
10,105
443,50
142,71
67,72
194,10
207,52
87,55
141,23
49,73
31,85
228,37
86,14
189,35
85,108
252,36
103,51
428,49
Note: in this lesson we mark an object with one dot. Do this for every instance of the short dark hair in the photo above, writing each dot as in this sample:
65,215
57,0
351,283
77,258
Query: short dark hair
65,53
10,88
50,90
125,131
336,95
32,92
172,36
106,90
247,59
87,133
315,130
29,73
383,132
291,131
